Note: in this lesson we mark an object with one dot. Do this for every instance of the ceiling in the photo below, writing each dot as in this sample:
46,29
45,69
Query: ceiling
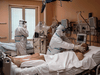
21,0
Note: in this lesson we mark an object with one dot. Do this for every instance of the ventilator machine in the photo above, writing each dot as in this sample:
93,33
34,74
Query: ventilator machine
40,38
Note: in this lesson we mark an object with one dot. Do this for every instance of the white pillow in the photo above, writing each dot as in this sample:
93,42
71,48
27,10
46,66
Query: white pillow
32,63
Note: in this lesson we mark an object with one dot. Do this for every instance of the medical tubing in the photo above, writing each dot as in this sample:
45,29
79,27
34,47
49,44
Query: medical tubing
60,3
88,25
78,17
42,1
84,20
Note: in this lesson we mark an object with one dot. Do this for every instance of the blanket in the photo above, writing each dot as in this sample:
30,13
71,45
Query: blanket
58,62
12,46
67,60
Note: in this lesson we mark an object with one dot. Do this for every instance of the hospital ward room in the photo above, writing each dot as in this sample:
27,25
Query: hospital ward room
49,37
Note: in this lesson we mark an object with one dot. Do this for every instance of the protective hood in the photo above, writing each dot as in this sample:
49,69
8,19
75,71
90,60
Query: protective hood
59,31
64,23
22,23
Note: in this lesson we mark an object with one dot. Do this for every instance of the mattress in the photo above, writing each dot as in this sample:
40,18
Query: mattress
14,53
10,48
93,53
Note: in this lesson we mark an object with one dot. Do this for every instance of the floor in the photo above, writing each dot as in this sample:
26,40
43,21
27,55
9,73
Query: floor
1,73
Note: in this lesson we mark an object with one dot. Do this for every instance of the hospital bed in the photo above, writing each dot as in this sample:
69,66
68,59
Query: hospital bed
43,69
10,48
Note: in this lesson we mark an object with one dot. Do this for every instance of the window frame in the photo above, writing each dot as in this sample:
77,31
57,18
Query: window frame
23,16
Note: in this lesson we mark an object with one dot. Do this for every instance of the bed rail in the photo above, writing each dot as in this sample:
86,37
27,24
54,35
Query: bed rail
97,69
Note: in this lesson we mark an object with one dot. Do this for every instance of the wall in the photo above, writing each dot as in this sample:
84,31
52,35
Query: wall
49,14
69,11
4,15
49,17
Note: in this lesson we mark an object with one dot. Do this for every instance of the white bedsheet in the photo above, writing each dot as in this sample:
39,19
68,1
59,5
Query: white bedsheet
93,50
32,63
67,60
86,63
41,70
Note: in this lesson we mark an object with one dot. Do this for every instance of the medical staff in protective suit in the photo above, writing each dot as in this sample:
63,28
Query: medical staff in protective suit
21,34
57,43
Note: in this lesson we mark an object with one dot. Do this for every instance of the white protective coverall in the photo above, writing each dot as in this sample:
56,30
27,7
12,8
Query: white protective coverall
21,34
56,44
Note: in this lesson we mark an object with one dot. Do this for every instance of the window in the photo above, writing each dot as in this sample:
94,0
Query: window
30,21
16,15
26,13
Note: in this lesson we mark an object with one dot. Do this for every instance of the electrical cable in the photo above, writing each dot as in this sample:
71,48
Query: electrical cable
60,3
88,25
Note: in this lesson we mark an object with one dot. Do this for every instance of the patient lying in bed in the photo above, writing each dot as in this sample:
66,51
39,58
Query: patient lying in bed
37,56
80,54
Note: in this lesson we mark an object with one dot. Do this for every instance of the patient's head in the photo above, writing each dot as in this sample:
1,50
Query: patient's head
83,45
86,46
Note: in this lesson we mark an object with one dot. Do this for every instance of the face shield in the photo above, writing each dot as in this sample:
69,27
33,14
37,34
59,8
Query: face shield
23,23
65,23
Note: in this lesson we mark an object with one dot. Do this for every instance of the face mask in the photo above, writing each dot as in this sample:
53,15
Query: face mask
22,23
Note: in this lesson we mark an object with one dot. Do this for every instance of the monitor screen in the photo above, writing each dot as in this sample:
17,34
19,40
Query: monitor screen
80,38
